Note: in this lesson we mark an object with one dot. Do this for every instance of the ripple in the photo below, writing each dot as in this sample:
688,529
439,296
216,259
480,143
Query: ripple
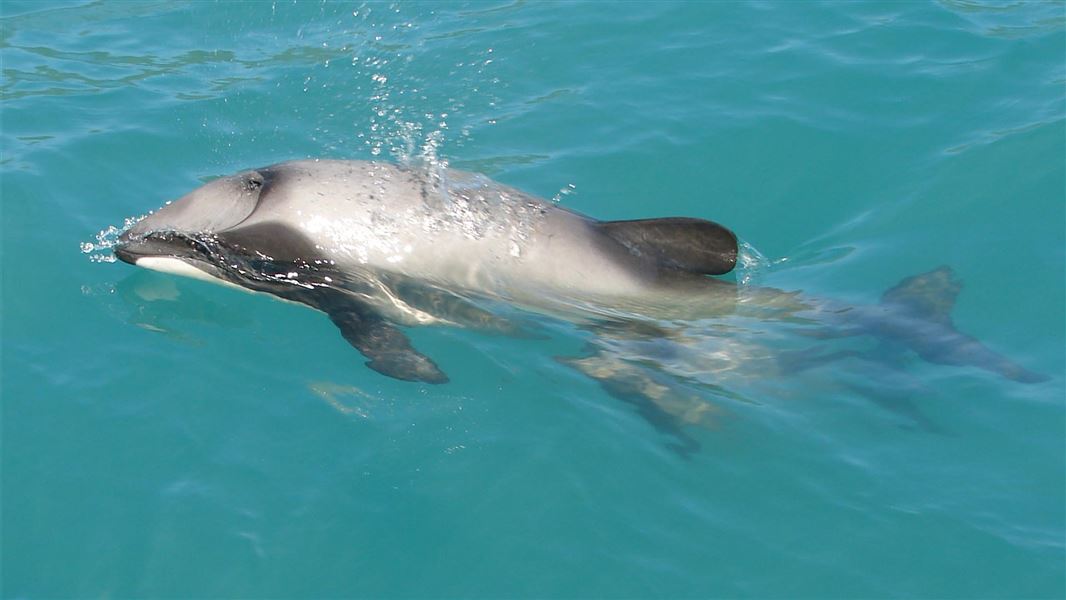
1010,19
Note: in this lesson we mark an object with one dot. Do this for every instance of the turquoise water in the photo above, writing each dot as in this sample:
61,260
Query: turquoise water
166,437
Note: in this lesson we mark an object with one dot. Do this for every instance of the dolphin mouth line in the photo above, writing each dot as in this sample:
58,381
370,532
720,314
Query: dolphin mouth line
219,260
169,244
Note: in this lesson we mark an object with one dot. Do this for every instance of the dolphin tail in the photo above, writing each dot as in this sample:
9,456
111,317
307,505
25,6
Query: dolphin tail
929,298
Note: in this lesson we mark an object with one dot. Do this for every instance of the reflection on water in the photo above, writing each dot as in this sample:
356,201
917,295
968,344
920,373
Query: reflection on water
164,304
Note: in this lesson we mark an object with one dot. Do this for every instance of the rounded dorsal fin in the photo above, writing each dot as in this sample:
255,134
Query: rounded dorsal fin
681,243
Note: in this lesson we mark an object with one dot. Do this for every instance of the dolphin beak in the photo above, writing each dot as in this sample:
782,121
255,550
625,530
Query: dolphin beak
123,254
133,246
122,250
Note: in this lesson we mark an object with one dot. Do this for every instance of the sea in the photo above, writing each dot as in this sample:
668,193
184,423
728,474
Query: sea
168,438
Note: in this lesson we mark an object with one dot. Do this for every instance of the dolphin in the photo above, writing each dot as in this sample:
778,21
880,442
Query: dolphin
379,246
374,245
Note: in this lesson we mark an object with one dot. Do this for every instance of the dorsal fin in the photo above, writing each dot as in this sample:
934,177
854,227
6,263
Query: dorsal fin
929,295
681,243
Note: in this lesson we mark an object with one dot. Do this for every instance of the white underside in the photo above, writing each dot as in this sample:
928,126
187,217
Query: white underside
174,266
177,266
393,306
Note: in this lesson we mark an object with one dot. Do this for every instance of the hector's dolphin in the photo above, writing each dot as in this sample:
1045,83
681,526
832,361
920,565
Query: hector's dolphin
377,246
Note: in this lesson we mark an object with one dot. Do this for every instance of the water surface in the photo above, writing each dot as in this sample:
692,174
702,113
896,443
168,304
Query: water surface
165,437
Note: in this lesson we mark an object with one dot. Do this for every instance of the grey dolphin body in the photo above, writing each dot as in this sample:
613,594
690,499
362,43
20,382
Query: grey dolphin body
376,246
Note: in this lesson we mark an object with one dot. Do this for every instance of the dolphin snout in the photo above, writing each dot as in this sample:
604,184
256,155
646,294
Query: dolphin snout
124,246
121,248
123,253
133,246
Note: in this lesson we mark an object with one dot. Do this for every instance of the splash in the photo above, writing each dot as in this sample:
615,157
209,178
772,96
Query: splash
564,192
99,250
410,103
752,264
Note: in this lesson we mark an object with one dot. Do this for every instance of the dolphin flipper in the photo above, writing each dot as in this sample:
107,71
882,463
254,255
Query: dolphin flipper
657,402
389,350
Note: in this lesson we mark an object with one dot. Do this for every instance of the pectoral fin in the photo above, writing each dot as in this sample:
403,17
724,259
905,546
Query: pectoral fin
659,404
389,350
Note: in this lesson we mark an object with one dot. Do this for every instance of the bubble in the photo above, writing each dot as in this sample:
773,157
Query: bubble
99,250
563,192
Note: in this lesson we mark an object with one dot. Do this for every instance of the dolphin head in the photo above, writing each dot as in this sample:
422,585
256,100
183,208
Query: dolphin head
179,238
227,231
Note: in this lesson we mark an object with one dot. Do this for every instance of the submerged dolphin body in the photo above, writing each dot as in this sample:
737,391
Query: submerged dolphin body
376,246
